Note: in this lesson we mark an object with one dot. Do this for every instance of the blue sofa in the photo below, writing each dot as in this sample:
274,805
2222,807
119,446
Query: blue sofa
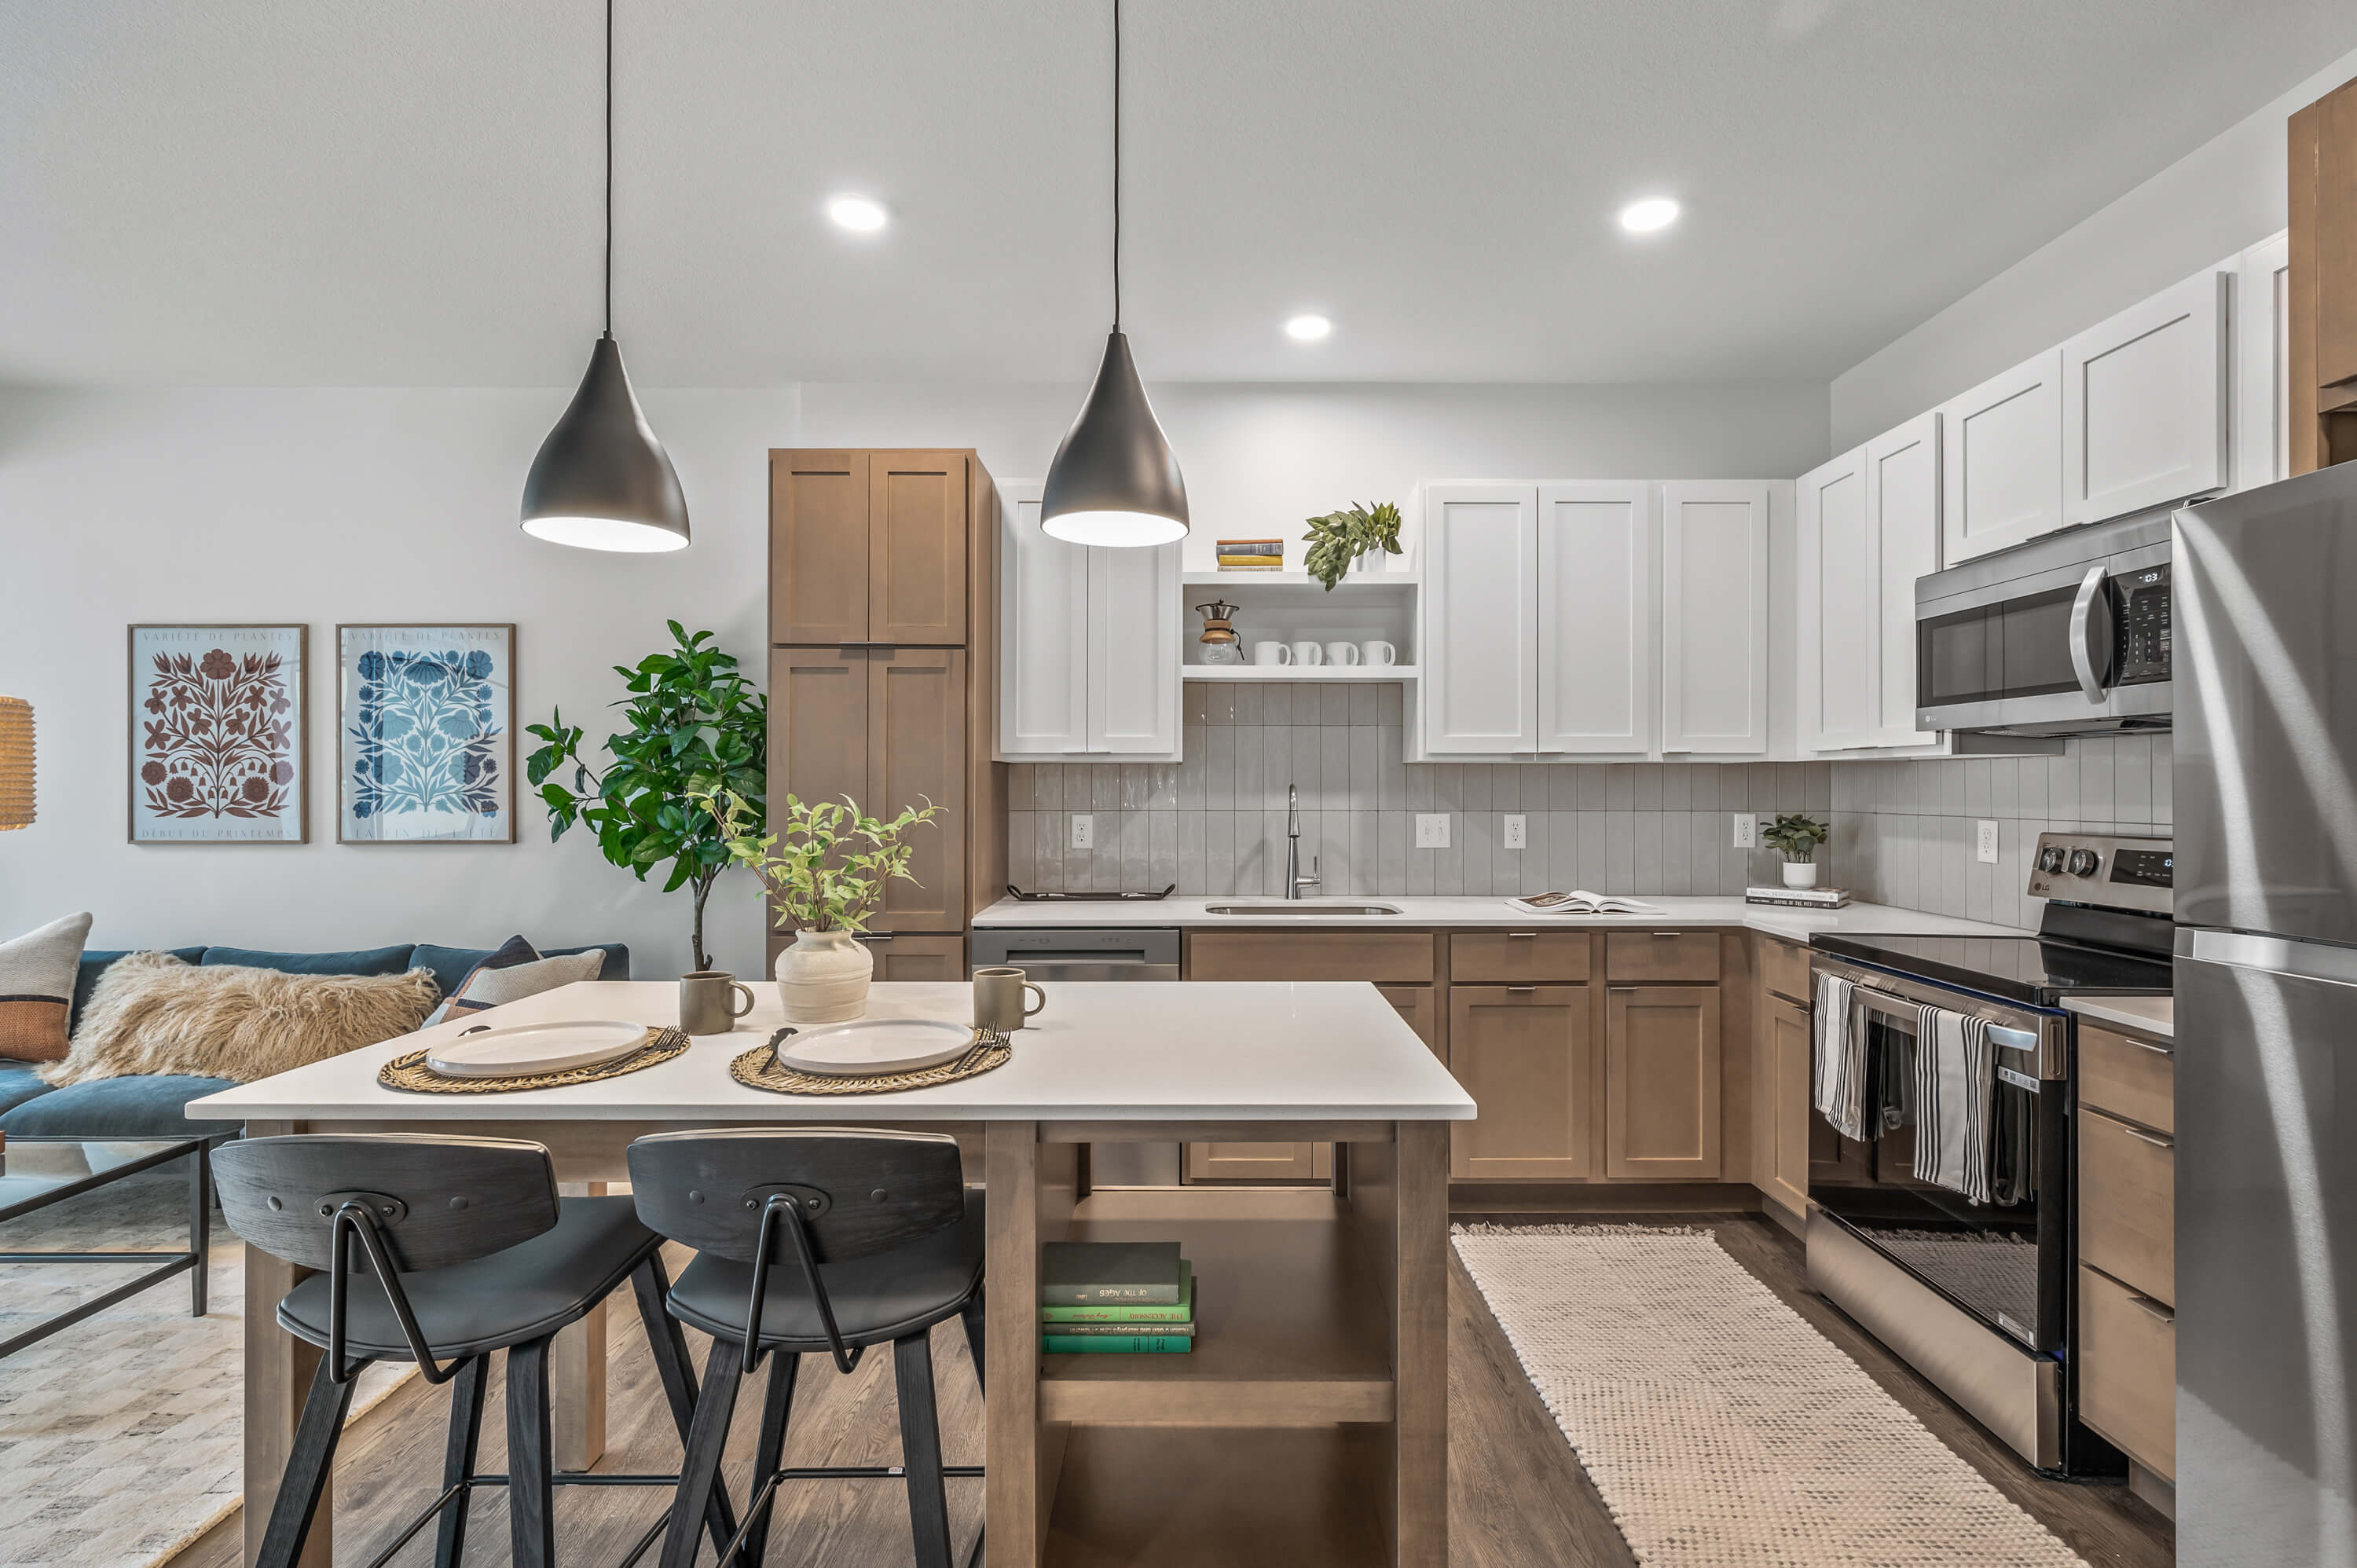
151,1106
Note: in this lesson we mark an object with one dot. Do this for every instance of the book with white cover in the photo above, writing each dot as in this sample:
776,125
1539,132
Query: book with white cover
1799,897
1581,902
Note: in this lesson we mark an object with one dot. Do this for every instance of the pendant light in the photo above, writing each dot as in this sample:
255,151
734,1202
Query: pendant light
602,482
1114,480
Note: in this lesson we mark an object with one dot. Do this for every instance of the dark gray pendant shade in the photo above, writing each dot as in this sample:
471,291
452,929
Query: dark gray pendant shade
602,482
1114,480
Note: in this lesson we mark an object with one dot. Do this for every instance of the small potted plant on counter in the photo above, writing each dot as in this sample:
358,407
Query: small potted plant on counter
826,874
1339,540
1796,837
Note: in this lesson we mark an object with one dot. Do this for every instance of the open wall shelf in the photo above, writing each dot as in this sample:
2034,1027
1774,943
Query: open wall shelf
1352,672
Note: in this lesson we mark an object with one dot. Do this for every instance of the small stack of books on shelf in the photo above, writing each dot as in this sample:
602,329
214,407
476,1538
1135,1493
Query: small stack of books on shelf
1101,1298
1252,554
1798,897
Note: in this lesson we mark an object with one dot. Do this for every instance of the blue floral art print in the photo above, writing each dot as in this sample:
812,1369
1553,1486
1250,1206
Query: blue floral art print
428,745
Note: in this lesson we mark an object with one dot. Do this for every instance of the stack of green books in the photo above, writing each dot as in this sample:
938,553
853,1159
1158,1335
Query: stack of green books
1097,1297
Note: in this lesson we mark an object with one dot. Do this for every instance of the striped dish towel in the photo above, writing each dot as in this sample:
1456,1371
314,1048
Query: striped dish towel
1955,1082
1839,1059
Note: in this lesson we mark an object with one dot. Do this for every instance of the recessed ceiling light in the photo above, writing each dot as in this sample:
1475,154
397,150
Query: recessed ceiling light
1645,217
1307,328
856,213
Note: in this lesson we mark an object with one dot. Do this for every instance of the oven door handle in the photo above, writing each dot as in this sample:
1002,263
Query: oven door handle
1875,999
2092,634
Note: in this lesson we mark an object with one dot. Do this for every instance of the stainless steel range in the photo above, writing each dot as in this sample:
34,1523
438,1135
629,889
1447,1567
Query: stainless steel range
1978,1295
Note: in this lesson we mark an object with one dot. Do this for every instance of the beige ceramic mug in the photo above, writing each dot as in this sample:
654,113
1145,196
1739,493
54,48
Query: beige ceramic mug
998,1000
707,998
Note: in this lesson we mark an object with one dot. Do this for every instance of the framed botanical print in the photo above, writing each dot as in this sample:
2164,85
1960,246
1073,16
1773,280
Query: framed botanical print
426,734
220,734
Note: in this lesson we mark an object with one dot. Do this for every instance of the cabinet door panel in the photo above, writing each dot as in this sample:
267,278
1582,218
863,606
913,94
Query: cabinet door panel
1480,598
1043,588
1595,617
1398,958
1420,1006
2127,1204
2262,338
916,547
1133,663
2144,403
1784,1159
902,955
2127,1373
916,752
1660,1082
818,547
2001,460
1714,618
1258,1162
1902,503
818,724
1526,1056
1841,607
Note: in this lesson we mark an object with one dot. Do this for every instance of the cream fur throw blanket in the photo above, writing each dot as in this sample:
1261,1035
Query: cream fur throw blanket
152,1013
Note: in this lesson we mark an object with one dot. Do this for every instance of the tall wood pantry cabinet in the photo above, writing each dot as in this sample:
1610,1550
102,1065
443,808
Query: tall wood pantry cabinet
2322,161
882,614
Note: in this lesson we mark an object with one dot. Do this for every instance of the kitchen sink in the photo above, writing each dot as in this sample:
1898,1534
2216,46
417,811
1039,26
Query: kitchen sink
1301,909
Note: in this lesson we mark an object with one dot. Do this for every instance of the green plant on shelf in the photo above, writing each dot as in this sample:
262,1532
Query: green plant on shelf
1795,836
1336,540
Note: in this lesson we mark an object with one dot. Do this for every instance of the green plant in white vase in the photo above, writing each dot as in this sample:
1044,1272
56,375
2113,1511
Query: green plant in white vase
1796,836
826,874
1337,540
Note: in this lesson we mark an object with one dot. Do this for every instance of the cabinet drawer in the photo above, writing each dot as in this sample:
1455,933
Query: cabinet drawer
1679,957
2127,1204
1515,957
1784,970
2127,1370
1399,958
2133,1080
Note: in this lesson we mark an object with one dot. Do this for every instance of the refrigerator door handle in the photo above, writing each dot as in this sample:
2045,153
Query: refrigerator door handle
2091,634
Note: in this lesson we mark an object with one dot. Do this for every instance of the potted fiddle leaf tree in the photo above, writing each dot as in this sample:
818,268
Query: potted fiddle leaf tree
826,876
1796,836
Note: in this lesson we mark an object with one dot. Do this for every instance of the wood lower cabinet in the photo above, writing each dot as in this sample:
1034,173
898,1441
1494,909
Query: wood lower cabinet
1527,1056
1780,1094
1661,1069
2127,1354
901,955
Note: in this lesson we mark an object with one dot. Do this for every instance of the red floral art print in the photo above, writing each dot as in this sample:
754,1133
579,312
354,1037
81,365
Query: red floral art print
218,740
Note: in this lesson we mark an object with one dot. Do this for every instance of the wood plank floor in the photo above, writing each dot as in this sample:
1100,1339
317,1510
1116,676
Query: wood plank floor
1517,1497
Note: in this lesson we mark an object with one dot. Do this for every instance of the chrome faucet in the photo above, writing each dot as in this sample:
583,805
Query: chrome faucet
1294,881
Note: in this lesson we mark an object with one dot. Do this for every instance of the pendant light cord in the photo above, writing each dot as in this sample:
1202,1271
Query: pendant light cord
609,168
1116,163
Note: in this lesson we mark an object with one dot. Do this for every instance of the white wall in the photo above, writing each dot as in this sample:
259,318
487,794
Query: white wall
2226,195
378,504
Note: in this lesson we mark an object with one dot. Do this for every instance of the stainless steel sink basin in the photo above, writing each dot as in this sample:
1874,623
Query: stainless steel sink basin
1302,910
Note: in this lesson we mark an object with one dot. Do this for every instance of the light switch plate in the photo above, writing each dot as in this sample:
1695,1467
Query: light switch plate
1517,828
1084,831
1432,830
1984,845
1747,830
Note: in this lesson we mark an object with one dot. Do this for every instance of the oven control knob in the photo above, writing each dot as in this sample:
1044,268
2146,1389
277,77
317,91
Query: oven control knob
2085,863
2050,860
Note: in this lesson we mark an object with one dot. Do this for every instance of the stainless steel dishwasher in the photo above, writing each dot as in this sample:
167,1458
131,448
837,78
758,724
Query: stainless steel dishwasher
1050,954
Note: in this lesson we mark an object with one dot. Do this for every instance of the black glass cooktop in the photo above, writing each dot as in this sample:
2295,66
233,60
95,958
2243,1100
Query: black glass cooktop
2039,971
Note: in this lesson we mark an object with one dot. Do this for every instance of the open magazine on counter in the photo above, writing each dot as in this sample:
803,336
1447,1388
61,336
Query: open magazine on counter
1581,902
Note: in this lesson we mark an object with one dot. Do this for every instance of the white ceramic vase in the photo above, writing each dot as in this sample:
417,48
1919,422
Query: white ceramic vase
823,977
1797,874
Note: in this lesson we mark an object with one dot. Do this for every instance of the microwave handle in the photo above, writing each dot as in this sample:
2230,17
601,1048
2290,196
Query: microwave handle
2092,634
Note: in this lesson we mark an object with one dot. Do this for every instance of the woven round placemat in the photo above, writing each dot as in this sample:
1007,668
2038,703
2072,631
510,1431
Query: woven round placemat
750,1070
410,1072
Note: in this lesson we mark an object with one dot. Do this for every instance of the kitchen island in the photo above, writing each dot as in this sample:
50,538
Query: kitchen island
1322,1359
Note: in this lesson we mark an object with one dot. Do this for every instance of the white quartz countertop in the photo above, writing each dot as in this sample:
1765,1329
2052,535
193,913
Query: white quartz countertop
1214,1051
2155,1015
1792,925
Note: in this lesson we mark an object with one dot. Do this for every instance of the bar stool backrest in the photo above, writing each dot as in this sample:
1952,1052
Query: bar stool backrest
436,1201
856,1191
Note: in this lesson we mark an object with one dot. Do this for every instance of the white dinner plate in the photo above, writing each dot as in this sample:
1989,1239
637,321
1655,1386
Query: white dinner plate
526,1049
867,1047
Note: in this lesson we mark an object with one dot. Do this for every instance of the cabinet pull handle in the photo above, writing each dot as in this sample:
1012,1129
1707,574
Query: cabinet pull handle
2154,1046
1521,936
2155,1310
2154,1139
1669,934
1522,990
873,937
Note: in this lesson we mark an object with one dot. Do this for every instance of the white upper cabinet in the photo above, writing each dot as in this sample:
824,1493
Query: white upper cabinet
1595,617
1840,608
2001,460
1088,641
1902,512
1480,598
1714,618
2144,403
2262,338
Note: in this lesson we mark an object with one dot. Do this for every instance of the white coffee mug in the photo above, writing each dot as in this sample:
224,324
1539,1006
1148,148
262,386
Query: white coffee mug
1344,653
1272,653
1375,650
1308,653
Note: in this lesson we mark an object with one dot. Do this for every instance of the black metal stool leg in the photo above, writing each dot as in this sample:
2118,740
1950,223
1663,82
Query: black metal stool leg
532,1523
920,1450
972,1316
699,1470
201,1225
459,1459
669,1348
307,1468
776,1405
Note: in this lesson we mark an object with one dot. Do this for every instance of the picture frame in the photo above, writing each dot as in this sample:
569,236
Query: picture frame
425,733
219,734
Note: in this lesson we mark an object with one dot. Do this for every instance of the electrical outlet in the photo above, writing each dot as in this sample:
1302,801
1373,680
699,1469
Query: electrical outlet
1084,831
1986,845
1516,832
1747,830
1432,830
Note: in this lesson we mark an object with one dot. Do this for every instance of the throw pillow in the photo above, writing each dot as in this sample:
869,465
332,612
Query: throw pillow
516,971
152,1013
37,988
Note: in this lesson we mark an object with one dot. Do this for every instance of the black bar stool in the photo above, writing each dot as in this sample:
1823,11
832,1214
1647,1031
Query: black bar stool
808,1240
441,1250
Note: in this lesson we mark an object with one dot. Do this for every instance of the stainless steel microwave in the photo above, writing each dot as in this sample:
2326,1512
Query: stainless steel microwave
2065,635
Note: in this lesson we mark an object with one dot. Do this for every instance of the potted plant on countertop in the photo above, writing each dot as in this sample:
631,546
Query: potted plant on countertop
1796,837
1338,540
826,874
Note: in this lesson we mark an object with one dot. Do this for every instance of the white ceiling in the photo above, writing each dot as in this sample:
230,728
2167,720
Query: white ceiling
358,192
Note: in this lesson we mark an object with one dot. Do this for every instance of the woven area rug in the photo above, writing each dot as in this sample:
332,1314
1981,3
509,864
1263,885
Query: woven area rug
120,1436
1718,1426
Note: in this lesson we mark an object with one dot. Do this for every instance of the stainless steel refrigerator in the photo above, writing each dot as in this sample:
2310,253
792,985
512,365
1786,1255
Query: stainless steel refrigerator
2266,783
